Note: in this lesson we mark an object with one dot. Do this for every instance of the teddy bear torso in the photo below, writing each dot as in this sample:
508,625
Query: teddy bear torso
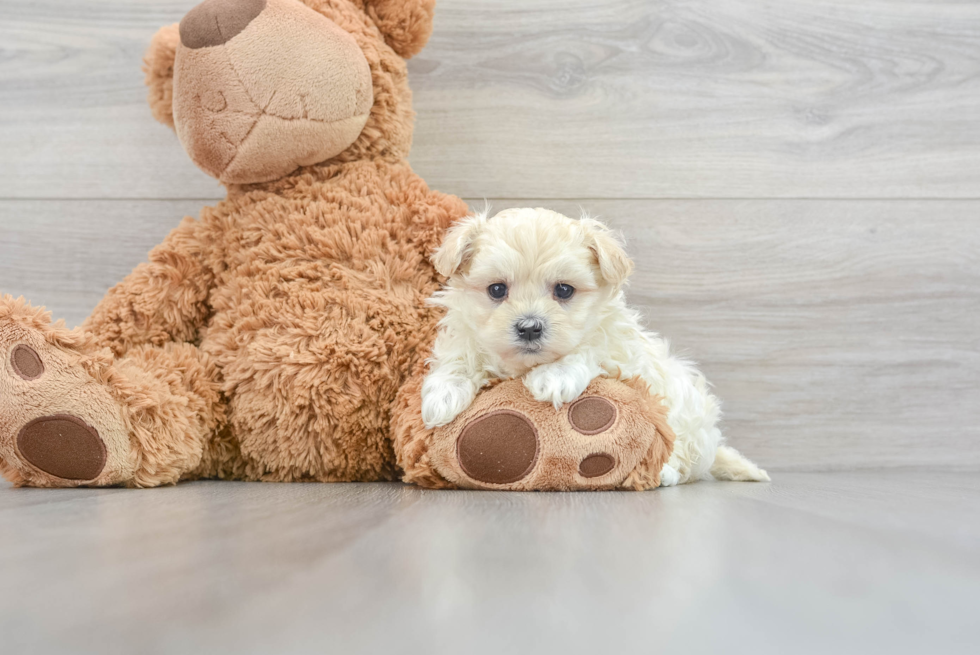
317,313
304,297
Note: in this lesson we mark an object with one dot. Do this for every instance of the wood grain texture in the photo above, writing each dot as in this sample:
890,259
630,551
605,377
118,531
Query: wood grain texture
839,334
74,122
558,98
846,562
703,98
66,254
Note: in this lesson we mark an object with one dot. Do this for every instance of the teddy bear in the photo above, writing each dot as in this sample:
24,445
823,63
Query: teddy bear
282,334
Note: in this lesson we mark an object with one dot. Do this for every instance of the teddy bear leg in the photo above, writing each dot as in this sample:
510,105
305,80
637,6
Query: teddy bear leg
164,299
72,415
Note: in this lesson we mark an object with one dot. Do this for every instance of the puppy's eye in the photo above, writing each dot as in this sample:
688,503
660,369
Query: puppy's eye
564,291
497,291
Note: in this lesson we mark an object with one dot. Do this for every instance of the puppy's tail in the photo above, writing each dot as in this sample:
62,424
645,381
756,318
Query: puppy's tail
732,465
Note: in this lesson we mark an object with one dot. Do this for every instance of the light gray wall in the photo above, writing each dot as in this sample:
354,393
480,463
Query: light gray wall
798,182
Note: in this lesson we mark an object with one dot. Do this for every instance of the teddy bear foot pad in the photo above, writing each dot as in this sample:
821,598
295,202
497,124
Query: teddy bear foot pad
607,439
55,419
502,447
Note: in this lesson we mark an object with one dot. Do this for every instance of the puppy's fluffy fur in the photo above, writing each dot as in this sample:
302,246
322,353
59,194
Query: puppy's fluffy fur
507,317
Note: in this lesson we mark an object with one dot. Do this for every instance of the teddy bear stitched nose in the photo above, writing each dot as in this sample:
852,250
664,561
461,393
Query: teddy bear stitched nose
215,22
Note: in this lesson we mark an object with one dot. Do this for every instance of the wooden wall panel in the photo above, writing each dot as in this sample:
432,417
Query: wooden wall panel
559,98
837,333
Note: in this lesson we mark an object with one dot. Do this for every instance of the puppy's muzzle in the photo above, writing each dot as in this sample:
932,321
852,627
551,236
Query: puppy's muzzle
529,329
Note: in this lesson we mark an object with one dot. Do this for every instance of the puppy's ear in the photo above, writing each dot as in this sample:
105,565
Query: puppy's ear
614,264
457,246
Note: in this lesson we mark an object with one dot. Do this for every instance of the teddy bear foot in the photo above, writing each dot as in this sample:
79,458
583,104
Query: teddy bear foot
615,436
58,426
502,447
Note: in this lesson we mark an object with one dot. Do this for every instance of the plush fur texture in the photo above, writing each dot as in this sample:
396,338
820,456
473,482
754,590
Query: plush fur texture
267,339
281,334
406,25
514,271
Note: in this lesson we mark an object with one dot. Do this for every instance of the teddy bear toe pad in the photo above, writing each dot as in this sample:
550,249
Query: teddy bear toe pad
596,465
591,415
26,362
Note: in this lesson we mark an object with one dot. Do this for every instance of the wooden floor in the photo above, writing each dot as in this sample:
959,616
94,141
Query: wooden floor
858,562
799,183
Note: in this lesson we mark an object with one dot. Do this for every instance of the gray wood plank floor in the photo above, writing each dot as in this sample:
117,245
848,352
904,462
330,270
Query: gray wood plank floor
857,562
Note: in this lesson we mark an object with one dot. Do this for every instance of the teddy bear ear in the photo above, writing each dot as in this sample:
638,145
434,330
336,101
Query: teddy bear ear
158,66
406,24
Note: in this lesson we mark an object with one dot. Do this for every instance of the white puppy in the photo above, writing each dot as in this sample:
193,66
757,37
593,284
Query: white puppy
533,293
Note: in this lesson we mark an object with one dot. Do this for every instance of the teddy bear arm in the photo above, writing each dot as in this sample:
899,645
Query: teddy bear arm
165,299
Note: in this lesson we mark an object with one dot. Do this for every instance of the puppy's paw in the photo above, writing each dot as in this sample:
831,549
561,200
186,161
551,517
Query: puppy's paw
444,397
669,477
558,383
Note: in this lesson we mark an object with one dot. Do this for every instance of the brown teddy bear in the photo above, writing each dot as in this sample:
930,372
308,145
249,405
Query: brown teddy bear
281,336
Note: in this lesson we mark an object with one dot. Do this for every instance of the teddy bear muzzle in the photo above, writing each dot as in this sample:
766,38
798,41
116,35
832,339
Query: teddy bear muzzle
262,87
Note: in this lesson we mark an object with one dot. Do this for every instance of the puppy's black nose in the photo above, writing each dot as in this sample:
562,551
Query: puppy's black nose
529,329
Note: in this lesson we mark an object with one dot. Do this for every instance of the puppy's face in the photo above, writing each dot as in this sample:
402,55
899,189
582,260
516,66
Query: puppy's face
530,284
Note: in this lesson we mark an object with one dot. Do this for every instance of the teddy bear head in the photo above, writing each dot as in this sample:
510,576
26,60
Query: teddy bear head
256,89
